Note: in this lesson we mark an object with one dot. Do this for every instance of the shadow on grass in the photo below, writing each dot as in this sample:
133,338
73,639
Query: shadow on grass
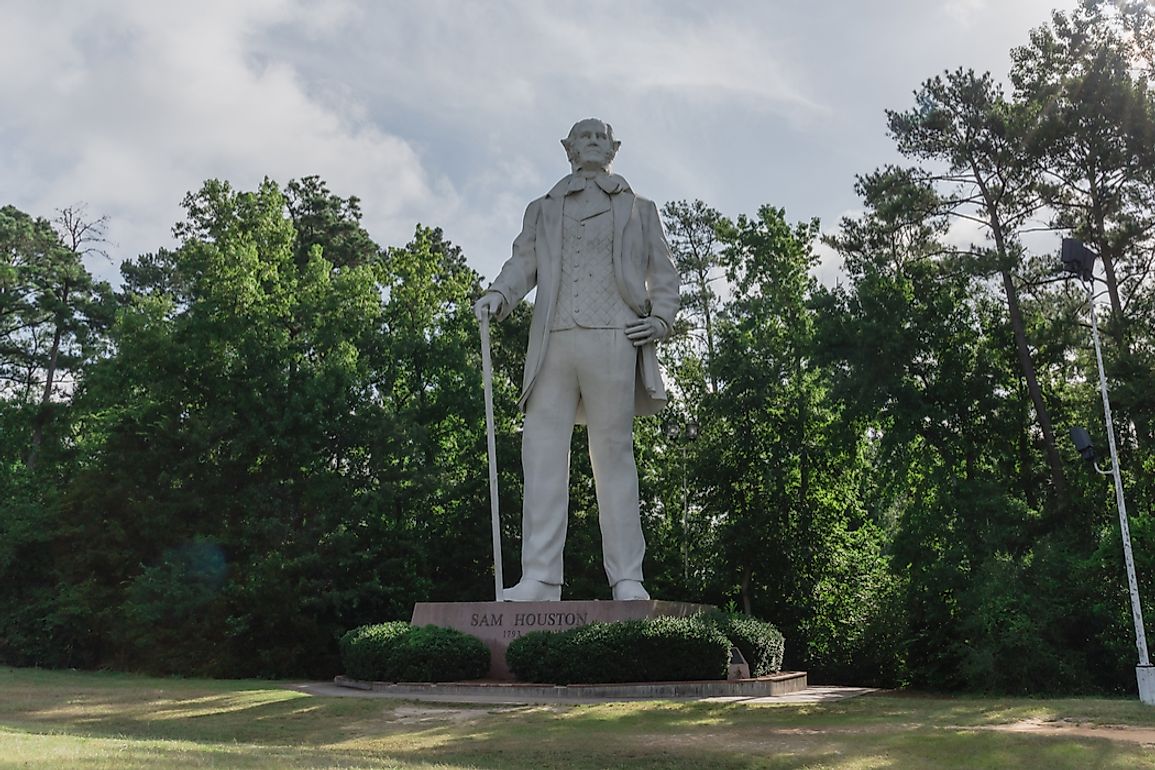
256,724
35,750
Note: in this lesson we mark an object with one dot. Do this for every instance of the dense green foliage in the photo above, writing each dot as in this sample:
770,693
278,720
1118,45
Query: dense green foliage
366,651
272,450
651,650
273,432
398,652
761,644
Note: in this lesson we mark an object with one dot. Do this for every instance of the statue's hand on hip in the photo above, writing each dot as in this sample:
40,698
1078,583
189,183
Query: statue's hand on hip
648,329
488,306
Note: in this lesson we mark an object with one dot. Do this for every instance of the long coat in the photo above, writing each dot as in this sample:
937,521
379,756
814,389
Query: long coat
645,276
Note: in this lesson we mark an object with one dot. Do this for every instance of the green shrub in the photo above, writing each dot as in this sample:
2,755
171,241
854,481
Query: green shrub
652,650
599,652
761,644
535,656
434,654
369,651
399,652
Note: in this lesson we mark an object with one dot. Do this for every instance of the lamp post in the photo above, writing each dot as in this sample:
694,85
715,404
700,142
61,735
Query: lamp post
1078,259
674,431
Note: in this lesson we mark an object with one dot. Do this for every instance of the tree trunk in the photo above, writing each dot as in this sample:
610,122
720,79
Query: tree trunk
707,319
1042,414
43,414
747,600
1117,327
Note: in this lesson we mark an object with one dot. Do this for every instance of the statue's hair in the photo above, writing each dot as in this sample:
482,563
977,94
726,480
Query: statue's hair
573,128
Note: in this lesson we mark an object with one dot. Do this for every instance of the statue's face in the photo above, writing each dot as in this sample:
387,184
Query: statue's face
591,146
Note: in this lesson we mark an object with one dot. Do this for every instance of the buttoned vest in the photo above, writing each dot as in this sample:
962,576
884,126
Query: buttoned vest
588,295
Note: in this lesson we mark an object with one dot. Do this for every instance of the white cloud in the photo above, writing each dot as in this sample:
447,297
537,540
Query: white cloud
449,112
147,100
966,234
503,79
482,59
830,270
964,12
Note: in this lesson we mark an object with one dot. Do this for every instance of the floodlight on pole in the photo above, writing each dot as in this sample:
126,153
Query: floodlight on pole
1082,441
1080,260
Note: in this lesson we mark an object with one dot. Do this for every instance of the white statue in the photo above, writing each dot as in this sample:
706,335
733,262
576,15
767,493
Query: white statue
606,292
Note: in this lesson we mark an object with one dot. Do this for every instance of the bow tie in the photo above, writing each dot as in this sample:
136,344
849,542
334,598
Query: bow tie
611,185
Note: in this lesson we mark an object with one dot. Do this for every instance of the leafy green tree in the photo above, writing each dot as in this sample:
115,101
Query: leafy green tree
79,312
329,221
428,373
50,319
780,485
680,532
916,377
995,595
51,325
273,438
963,122
1093,137
29,248
692,229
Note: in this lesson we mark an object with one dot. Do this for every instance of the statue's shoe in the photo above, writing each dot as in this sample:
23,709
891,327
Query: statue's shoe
532,591
629,590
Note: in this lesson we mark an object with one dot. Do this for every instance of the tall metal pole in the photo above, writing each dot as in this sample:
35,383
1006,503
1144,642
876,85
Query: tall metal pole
491,444
1144,673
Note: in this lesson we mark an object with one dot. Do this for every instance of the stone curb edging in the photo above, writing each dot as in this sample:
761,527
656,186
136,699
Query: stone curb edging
783,683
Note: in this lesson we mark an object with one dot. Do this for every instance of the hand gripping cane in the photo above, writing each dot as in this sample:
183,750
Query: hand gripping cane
487,379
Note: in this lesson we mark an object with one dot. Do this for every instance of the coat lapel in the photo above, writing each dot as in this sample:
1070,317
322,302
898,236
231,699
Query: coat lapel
551,221
623,206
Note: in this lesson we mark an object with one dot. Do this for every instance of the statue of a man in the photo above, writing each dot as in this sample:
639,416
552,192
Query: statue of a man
606,292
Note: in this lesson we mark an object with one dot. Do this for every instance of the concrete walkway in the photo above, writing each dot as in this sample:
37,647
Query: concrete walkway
815,694
510,695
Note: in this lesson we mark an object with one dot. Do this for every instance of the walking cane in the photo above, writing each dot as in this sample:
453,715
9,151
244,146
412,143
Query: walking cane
487,379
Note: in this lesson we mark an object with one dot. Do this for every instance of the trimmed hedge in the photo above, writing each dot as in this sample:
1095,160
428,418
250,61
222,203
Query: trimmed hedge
399,652
652,650
761,644
368,650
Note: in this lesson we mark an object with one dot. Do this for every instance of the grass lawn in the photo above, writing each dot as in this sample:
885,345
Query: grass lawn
105,721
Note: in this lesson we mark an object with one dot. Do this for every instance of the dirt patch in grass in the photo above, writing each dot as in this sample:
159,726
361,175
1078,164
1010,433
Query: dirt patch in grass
414,714
1142,735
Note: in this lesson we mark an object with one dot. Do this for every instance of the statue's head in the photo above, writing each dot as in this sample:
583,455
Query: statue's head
590,145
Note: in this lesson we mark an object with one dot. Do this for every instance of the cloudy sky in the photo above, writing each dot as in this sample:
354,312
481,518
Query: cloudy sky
449,112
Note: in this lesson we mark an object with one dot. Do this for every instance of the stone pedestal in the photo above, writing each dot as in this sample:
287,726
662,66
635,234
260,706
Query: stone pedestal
499,623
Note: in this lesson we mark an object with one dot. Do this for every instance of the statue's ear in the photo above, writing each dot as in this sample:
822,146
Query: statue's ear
617,144
566,144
